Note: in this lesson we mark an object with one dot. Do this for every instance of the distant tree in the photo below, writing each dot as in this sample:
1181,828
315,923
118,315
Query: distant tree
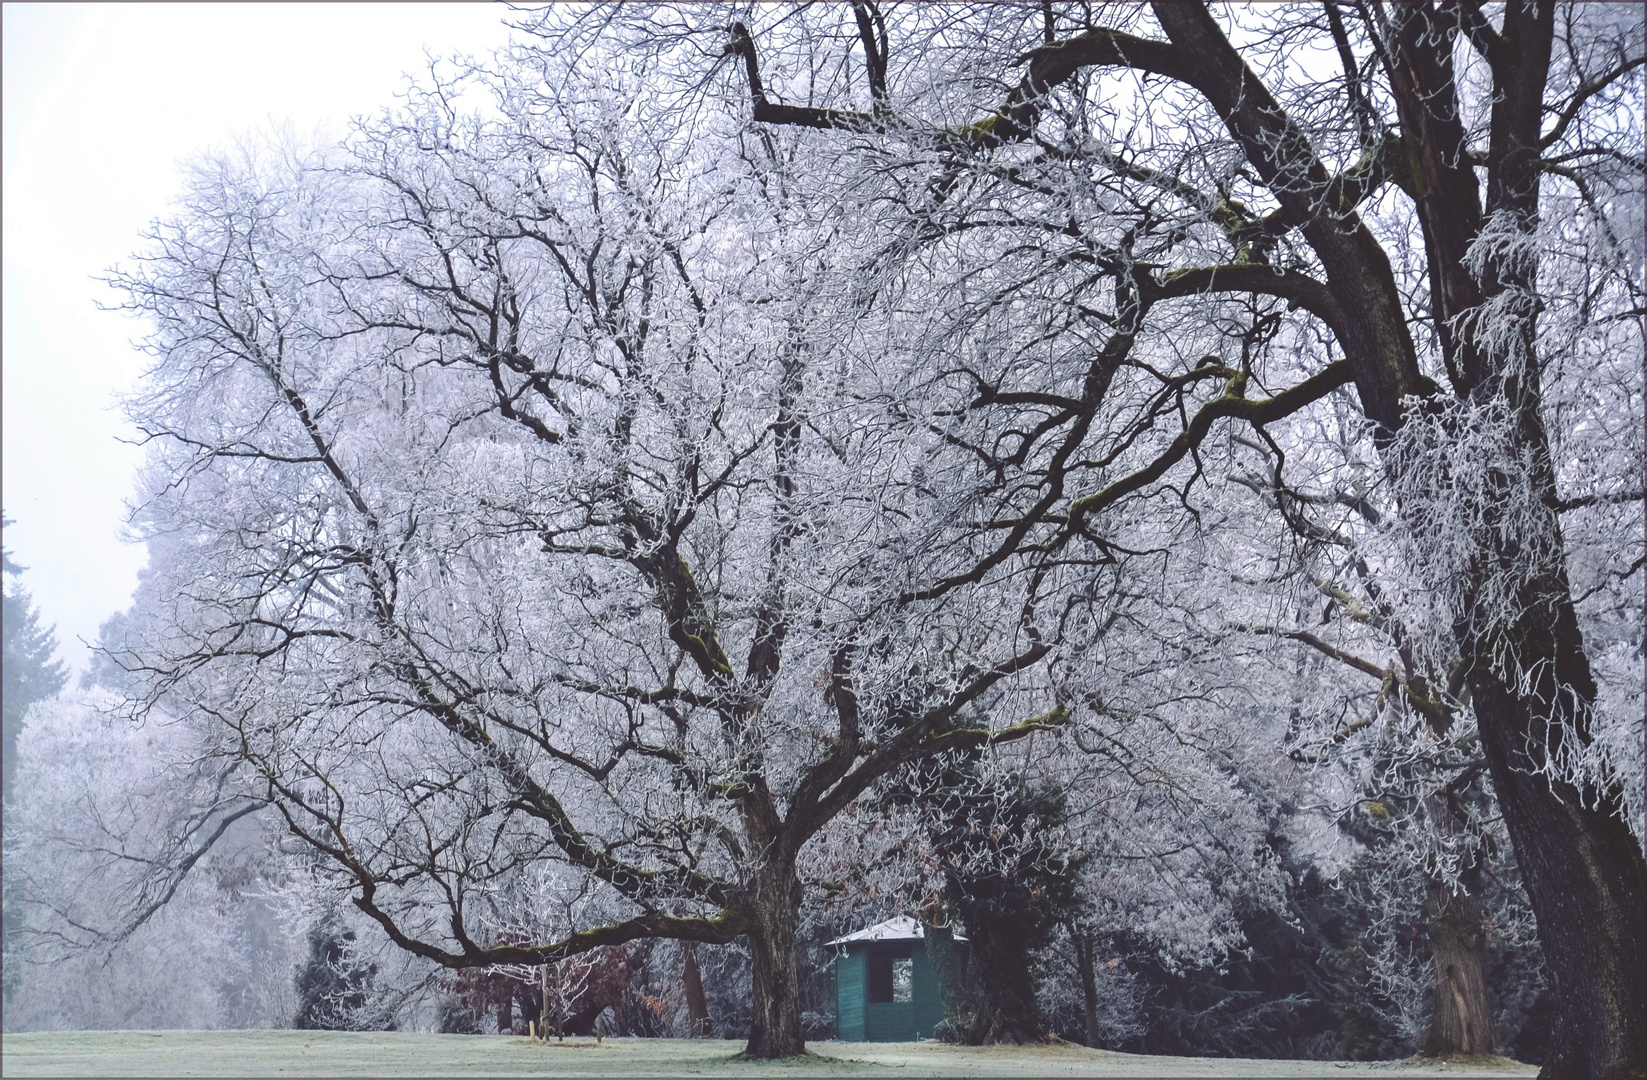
90,783
30,672
30,675
334,986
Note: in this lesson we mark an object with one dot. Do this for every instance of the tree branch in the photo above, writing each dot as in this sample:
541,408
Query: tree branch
716,931
1299,289
1587,90
1257,412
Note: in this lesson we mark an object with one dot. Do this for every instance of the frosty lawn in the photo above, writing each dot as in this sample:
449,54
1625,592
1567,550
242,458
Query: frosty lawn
334,1053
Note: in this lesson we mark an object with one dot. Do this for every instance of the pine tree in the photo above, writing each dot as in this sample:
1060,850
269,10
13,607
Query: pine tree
30,672
332,990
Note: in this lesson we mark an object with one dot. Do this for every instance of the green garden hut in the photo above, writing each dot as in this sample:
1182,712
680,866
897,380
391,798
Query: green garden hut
886,989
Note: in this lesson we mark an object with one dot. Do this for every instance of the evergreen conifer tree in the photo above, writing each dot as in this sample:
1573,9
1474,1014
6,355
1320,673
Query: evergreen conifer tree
30,673
332,989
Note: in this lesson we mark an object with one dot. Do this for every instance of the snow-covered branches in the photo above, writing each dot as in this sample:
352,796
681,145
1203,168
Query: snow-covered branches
613,491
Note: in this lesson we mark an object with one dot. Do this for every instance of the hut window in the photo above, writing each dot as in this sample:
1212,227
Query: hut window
891,974
903,980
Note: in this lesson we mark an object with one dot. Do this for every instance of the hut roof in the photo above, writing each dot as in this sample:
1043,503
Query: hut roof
897,928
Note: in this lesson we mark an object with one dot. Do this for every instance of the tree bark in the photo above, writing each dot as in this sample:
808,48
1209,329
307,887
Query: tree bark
1089,982
1461,1021
697,1006
1008,1011
774,905
1585,877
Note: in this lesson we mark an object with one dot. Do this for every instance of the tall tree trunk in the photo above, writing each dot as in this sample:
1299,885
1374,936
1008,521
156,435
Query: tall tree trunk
774,906
1461,1022
1008,1012
697,1006
1585,877
1583,870
1089,981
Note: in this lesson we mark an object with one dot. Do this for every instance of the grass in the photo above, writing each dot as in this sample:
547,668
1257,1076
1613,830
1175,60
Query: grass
348,1053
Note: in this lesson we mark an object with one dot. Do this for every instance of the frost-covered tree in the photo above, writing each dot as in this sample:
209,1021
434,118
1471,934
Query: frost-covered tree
625,481
526,501
97,796
1142,233
31,674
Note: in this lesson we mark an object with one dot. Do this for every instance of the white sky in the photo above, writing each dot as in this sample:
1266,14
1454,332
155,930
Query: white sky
102,103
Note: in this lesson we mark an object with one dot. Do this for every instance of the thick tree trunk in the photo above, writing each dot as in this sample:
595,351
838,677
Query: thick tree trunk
773,906
1461,1022
1587,882
1008,1012
697,1006
1582,869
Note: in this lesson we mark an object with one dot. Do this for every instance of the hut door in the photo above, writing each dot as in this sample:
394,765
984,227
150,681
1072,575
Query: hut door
891,974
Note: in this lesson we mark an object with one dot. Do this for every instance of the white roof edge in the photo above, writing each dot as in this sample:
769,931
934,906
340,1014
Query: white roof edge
897,928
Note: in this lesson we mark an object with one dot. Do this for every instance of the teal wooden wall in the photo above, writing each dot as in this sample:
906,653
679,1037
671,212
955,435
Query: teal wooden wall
857,1019
851,994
